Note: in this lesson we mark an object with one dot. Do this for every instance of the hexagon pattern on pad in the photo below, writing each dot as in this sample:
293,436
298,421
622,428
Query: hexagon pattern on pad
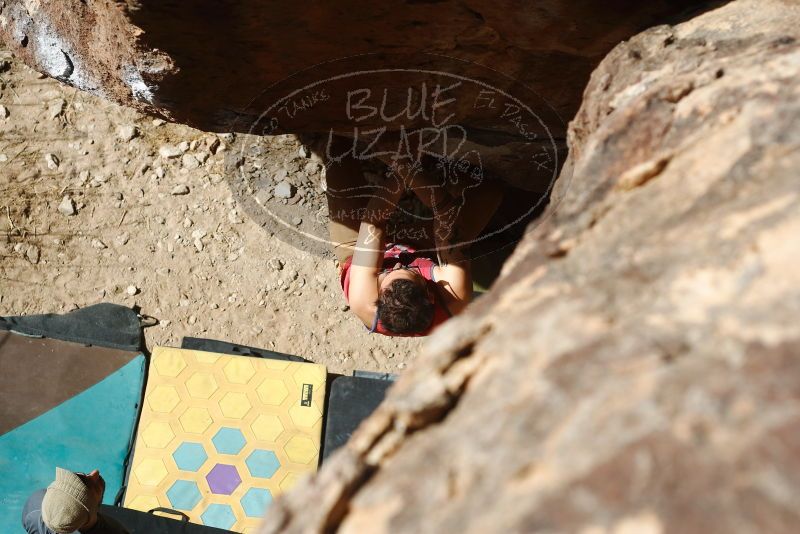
255,501
262,464
223,479
183,495
218,515
220,436
228,440
189,456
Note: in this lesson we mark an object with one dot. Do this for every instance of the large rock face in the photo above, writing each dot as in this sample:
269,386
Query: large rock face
636,368
227,66
203,62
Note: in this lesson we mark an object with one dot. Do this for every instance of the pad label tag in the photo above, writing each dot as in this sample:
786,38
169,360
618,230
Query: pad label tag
305,398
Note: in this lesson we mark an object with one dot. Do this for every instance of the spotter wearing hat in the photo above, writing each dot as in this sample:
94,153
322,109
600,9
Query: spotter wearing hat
67,505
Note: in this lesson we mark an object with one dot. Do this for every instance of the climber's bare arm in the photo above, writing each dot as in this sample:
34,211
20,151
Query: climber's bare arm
368,255
454,272
454,232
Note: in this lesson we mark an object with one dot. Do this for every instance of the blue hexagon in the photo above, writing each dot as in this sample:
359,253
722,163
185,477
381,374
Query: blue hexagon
255,502
228,440
218,515
262,464
183,495
189,456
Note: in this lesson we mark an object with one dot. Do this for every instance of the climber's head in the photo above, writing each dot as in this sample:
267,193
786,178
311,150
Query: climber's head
405,306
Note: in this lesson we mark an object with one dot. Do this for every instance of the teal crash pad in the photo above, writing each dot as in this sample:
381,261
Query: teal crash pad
67,405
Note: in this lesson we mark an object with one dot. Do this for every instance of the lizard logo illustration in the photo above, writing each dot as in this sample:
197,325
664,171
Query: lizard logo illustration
411,130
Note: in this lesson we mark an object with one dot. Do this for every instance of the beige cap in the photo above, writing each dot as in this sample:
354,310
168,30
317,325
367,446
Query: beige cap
66,506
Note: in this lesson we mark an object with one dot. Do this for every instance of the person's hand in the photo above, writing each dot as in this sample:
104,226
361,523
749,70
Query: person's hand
97,487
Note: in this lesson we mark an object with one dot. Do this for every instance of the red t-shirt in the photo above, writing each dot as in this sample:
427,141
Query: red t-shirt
407,257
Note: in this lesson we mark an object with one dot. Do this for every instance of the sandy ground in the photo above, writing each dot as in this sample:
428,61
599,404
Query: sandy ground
196,261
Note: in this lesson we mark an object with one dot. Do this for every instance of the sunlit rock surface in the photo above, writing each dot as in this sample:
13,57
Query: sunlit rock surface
636,367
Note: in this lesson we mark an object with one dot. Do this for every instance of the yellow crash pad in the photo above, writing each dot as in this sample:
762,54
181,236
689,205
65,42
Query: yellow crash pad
221,435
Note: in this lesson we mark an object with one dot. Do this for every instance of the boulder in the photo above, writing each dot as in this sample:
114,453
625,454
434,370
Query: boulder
635,368
274,66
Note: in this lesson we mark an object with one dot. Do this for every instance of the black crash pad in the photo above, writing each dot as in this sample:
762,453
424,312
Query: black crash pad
352,399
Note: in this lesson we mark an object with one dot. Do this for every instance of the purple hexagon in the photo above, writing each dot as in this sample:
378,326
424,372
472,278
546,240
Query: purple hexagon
223,479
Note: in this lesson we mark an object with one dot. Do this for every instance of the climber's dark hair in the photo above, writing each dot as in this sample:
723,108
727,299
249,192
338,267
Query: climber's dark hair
404,307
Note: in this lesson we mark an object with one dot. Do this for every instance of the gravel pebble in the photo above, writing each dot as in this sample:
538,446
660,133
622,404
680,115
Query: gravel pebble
99,180
67,206
169,151
127,132
284,190
96,243
180,190
56,108
233,217
188,161
33,254
52,161
122,239
4,113
132,290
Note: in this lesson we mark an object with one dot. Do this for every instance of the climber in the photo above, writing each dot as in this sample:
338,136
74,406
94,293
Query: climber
393,289
69,504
